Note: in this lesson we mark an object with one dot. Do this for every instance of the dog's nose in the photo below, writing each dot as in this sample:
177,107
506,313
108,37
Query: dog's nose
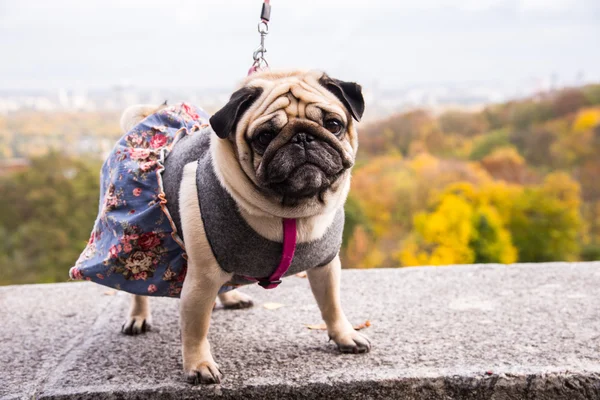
303,138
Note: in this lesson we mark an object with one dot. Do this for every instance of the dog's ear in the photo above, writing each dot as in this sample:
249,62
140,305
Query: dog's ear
349,93
226,119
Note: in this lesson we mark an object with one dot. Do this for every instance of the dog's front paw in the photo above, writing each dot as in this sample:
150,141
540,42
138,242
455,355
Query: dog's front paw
134,325
352,342
205,372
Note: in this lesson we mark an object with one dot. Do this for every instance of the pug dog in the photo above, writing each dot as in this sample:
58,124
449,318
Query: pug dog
281,149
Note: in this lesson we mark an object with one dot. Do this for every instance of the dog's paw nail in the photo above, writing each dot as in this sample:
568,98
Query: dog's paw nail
354,343
205,373
239,305
135,325
192,379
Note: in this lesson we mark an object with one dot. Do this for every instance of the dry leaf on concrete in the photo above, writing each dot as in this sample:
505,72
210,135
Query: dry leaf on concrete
301,274
323,327
272,306
110,292
364,325
317,327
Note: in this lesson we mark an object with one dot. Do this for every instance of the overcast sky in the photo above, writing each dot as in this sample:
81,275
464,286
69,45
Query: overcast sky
161,43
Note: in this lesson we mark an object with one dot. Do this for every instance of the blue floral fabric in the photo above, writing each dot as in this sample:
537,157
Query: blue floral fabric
134,245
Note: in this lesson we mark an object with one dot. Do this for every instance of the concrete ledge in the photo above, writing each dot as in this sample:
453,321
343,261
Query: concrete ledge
464,332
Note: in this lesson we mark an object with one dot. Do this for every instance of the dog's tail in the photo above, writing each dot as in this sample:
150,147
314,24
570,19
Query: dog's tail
134,114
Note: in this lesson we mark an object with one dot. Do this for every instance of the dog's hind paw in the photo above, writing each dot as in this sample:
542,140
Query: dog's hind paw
235,300
135,325
205,372
352,342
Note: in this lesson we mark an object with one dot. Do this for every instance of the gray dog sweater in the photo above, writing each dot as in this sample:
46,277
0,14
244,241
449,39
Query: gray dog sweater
237,247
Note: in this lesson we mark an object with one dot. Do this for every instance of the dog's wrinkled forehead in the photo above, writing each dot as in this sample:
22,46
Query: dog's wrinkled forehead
294,94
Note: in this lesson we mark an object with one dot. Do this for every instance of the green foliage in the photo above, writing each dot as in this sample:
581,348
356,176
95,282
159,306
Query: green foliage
496,115
487,143
491,242
545,222
591,252
47,215
525,114
592,94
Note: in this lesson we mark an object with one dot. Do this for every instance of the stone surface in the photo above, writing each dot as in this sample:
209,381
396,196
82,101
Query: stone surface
464,332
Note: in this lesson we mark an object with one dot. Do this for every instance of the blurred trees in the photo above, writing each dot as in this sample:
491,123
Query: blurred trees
484,144
463,123
461,228
499,224
387,192
30,134
47,214
514,182
545,221
508,165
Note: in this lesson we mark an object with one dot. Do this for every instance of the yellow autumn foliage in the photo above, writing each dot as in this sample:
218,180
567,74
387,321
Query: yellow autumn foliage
462,228
440,237
577,143
586,119
386,194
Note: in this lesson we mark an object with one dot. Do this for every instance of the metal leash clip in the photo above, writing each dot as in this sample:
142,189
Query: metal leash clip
260,62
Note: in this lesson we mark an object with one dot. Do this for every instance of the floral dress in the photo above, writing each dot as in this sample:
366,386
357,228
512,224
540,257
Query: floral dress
134,245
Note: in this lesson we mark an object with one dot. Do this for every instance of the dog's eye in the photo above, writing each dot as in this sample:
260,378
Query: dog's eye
265,138
334,126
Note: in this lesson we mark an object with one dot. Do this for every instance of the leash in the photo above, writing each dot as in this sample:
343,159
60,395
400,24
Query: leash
290,233
260,62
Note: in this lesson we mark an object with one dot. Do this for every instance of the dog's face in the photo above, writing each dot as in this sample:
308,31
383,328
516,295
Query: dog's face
293,134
